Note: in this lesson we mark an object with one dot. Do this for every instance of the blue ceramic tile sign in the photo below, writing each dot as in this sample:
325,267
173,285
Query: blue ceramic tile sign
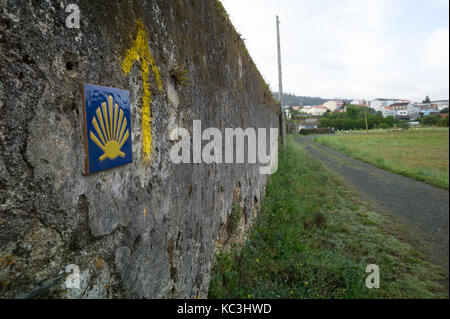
107,127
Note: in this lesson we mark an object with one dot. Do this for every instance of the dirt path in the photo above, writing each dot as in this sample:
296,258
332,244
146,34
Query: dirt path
422,208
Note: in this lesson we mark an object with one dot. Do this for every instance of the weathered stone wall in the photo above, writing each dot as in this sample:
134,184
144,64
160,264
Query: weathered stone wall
147,229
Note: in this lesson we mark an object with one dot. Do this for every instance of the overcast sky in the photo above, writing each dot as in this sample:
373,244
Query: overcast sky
350,48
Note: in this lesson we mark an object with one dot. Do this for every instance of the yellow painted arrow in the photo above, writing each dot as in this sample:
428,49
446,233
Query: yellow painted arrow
140,50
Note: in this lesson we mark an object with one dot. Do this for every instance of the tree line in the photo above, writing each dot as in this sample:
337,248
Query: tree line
354,119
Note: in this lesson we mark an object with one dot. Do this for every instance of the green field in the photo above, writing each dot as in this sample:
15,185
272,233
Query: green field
314,238
419,154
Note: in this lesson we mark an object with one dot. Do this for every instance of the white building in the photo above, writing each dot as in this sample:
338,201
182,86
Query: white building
441,104
405,108
318,110
306,109
334,105
287,111
387,111
358,102
379,104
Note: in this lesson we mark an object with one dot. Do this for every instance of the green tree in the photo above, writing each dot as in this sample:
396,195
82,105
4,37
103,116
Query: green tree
403,125
390,120
384,125
353,112
430,120
427,100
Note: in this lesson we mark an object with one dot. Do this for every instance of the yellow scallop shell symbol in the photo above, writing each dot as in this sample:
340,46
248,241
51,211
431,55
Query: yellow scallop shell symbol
112,132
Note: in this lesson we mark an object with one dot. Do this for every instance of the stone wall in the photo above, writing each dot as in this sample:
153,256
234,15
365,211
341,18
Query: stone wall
143,230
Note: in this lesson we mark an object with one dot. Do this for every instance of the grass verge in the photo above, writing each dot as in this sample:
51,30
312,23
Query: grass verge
314,239
419,154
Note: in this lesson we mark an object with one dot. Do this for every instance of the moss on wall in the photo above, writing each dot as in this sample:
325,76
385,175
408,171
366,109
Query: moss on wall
143,230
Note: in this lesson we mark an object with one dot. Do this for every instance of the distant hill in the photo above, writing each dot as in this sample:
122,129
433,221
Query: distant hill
293,100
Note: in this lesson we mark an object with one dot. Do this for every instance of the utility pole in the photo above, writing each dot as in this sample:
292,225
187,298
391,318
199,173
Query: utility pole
365,116
280,88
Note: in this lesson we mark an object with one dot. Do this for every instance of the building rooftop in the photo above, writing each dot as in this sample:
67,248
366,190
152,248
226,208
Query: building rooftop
399,104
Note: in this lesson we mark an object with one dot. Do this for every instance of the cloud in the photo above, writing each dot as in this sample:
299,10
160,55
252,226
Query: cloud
349,48
436,52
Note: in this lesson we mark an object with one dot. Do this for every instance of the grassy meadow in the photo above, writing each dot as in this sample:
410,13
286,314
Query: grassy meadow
420,154
314,238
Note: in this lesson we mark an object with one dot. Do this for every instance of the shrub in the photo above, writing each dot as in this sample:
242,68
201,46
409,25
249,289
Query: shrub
310,131
430,120
403,125
443,122
384,125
